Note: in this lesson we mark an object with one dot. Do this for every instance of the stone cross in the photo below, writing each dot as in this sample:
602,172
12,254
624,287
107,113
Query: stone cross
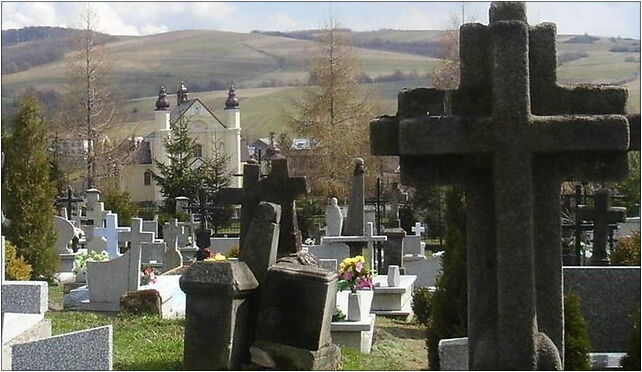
396,196
69,202
514,135
602,215
136,235
418,229
203,210
278,187
355,221
111,232
96,214
171,231
369,238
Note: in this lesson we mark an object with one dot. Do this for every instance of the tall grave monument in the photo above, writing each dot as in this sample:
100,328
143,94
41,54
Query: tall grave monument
510,134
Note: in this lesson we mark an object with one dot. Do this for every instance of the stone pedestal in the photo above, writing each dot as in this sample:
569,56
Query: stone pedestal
356,335
220,315
66,262
294,324
394,301
393,252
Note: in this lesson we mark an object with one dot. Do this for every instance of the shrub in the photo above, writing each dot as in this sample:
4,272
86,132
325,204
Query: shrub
576,340
448,306
421,297
16,267
120,202
631,361
627,252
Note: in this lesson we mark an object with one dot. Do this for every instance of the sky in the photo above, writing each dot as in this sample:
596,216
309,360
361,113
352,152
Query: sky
143,18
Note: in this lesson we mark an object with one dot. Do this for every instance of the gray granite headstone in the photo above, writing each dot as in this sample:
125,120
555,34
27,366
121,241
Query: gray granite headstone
220,315
24,297
108,280
152,252
86,350
504,134
260,245
151,226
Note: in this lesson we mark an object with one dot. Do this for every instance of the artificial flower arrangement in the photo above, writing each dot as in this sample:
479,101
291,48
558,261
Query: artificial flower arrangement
215,257
148,275
80,262
354,275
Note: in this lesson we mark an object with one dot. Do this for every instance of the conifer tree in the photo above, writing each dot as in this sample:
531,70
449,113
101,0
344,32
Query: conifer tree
176,177
28,192
334,114
448,307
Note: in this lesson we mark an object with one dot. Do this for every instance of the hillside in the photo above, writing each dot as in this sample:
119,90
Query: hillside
264,68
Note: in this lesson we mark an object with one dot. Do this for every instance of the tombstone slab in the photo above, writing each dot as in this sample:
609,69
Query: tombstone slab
261,243
108,280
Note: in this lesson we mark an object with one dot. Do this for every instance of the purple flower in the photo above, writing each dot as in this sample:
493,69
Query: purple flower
347,275
364,283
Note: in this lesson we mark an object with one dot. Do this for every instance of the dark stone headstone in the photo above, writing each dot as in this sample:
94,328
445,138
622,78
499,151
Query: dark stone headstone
602,215
514,136
220,314
295,314
261,242
356,219
393,251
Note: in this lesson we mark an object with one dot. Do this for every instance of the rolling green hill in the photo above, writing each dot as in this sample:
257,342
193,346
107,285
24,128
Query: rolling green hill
208,61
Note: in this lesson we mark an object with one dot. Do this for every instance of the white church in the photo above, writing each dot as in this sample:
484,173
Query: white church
204,126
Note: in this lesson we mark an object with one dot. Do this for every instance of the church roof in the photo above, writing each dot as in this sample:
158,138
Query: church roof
178,111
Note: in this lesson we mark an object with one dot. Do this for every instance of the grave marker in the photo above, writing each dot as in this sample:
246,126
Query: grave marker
135,235
111,232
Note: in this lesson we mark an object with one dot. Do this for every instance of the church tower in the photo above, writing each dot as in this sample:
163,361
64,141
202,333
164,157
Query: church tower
233,122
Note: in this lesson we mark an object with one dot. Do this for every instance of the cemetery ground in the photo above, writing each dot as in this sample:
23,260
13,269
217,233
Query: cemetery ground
147,342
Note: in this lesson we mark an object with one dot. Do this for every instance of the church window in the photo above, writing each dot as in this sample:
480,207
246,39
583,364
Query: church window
147,178
198,151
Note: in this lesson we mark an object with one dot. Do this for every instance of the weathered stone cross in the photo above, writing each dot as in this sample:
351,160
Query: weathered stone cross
602,215
278,187
515,135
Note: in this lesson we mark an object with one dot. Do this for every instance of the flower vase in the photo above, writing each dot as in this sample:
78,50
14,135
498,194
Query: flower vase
354,307
394,278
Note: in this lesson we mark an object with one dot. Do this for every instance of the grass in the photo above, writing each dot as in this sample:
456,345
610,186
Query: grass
397,346
150,343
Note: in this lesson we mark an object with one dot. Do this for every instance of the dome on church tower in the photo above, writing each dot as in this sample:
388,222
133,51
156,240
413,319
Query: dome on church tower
181,94
232,100
162,103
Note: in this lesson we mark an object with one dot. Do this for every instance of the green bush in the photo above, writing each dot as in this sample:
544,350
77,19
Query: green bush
448,306
576,340
627,252
16,267
421,297
120,202
631,362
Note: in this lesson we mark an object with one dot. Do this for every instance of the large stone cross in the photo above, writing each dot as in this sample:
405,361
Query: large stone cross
514,135
136,235
602,215
278,187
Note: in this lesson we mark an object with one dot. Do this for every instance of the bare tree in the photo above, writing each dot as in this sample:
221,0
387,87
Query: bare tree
334,113
90,106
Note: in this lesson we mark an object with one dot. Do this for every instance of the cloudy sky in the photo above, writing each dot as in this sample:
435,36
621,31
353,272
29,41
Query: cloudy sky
141,18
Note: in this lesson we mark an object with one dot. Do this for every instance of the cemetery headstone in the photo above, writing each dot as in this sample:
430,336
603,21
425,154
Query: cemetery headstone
65,232
505,140
602,215
368,240
333,219
220,315
260,246
135,235
108,280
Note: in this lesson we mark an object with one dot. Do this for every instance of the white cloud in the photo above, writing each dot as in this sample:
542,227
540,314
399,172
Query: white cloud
16,15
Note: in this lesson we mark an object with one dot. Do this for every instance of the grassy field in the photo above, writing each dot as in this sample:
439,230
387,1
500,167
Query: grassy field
151,343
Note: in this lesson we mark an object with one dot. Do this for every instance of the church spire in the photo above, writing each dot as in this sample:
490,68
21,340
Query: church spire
162,103
181,94
232,101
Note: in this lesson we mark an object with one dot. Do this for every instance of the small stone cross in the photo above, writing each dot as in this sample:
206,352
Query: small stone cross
370,238
136,235
602,215
418,229
111,233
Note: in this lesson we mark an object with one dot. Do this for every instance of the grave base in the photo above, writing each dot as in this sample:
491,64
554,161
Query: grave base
289,358
356,335
394,301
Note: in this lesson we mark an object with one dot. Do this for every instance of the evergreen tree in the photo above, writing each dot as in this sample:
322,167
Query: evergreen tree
576,340
334,114
28,192
448,308
177,178
120,202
